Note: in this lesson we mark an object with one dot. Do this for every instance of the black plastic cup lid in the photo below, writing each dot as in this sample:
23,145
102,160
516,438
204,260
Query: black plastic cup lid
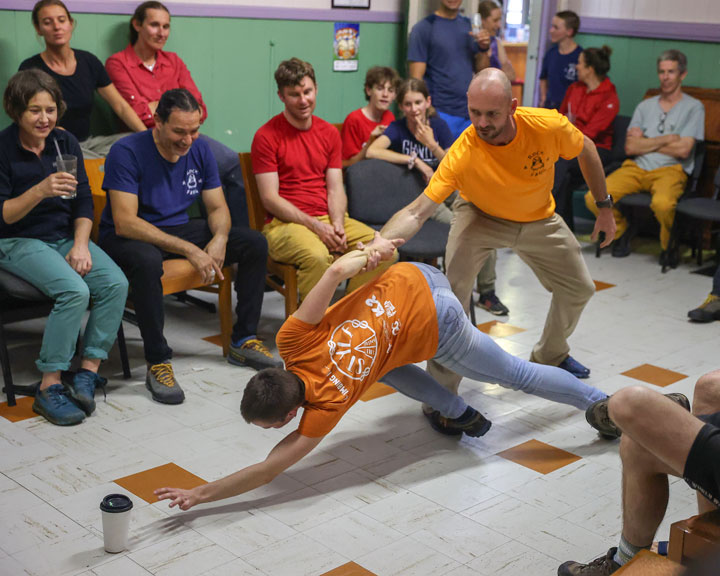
116,503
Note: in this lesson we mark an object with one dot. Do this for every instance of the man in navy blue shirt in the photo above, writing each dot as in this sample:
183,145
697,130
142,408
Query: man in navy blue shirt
152,178
442,51
558,66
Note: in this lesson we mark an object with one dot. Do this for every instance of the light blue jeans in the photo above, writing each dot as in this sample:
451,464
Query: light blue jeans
468,352
43,265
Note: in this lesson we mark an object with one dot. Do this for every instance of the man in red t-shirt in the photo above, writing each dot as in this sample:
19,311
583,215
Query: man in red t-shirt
297,161
333,355
364,125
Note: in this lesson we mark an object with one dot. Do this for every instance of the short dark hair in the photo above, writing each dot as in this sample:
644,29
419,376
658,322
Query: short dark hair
674,56
176,99
35,15
571,19
23,86
291,72
598,59
270,395
140,14
379,75
486,8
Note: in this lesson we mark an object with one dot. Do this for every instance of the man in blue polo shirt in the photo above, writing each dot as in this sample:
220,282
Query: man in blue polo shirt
442,52
152,178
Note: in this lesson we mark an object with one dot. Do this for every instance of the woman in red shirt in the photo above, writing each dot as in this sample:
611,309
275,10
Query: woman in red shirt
591,104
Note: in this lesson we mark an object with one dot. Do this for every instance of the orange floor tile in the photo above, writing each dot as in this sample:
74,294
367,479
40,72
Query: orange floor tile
602,285
647,563
217,339
655,375
499,329
539,456
349,569
21,411
377,390
144,483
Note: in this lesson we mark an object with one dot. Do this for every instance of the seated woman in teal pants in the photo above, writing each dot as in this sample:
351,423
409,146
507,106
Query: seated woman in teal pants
45,220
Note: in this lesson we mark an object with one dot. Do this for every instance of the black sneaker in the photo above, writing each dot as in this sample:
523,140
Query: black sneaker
597,416
707,311
253,353
603,566
471,423
160,380
621,246
492,304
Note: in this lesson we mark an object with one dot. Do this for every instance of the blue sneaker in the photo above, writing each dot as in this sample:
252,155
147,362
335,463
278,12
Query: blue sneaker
574,367
53,403
82,389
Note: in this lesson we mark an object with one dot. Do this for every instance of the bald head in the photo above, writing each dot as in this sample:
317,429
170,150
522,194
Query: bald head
491,106
491,81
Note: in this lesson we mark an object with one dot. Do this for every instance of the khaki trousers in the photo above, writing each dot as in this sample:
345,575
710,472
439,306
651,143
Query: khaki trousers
665,185
295,244
547,246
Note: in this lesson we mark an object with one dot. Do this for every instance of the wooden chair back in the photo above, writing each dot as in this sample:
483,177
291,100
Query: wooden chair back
285,273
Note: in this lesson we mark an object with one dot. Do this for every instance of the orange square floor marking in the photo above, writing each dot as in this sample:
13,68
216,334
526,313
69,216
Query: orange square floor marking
654,375
217,339
499,329
602,285
144,483
21,411
349,569
539,456
377,390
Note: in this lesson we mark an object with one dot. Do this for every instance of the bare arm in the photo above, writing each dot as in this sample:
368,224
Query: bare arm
592,170
129,225
219,224
637,144
79,256
406,222
381,149
679,149
362,154
505,63
543,91
57,184
287,452
417,69
120,106
337,200
269,188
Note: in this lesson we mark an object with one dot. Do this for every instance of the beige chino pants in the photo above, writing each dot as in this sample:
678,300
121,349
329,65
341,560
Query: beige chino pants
547,246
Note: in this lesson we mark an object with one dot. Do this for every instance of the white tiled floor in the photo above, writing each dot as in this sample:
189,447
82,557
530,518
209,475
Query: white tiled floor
383,490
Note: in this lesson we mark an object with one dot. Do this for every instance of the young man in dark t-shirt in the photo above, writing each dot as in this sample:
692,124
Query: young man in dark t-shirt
558,65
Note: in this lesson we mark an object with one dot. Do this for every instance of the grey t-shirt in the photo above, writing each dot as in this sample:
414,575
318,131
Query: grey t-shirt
686,118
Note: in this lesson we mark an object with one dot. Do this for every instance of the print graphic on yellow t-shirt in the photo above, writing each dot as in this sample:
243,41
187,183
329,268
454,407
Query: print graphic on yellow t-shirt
353,347
536,164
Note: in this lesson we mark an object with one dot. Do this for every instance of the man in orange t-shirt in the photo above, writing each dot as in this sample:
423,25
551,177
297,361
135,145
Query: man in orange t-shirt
503,167
332,356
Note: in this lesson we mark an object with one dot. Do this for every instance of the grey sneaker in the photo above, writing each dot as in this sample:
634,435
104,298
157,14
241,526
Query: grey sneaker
598,417
707,311
603,566
253,353
161,382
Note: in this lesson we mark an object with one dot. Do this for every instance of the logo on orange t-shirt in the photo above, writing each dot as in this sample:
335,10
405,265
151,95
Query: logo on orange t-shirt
353,348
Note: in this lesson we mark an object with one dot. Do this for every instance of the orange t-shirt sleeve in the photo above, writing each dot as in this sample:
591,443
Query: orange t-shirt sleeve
291,337
570,140
316,422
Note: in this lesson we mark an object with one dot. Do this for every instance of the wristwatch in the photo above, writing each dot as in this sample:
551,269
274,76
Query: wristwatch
607,202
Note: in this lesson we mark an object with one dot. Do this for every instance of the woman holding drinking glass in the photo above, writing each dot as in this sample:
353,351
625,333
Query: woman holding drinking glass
46,216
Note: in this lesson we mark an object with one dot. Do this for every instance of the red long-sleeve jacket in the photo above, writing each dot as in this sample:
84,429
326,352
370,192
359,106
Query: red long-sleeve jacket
593,111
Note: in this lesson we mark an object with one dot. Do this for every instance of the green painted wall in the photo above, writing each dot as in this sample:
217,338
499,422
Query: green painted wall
232,62
633,61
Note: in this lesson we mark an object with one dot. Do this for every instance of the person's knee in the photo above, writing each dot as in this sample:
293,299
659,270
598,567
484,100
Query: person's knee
633,456
706,397
75,296
246,246
628,404
146,264
662,205
315,258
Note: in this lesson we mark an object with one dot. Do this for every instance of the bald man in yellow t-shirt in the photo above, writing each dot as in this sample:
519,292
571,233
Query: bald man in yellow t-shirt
503,166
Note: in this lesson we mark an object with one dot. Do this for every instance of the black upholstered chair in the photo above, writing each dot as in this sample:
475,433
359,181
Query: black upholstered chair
20,300
697,209
376,189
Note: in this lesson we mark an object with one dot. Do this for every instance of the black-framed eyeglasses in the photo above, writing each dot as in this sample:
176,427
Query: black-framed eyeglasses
661,124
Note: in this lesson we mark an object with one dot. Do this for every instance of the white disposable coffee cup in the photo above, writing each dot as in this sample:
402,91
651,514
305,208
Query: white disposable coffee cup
116,521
